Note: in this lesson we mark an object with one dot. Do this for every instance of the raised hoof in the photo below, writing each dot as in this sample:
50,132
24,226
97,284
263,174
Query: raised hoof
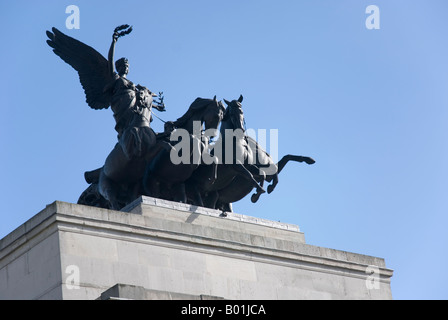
260,190
255,197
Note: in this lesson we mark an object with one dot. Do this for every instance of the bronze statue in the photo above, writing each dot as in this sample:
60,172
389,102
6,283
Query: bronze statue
238,177
142,162
120,177
165,179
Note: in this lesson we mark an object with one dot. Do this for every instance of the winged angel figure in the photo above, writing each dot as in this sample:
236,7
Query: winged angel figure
131,105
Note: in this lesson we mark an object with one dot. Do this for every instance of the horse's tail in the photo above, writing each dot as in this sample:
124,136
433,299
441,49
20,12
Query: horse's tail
289,157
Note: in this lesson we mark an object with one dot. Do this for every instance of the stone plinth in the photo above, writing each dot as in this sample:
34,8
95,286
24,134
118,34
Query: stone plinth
156,249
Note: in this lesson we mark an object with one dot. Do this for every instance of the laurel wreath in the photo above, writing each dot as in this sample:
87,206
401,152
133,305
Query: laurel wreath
127,30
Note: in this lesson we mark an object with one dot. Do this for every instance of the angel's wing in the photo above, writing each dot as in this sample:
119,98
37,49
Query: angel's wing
92,67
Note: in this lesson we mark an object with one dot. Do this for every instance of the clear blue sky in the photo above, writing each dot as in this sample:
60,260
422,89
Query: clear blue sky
370,106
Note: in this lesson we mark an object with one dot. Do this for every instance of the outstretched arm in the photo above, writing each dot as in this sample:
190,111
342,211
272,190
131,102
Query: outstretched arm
117,34
111,53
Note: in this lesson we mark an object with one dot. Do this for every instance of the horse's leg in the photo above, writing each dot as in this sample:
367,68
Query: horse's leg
211,199
274,183
260,176
224,207
255,171
214,175
257,195
241,169
197,197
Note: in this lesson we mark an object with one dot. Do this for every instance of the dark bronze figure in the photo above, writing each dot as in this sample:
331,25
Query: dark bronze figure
120,177
237,179
163,178
141,162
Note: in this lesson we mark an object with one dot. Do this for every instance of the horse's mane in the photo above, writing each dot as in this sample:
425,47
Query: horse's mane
198,104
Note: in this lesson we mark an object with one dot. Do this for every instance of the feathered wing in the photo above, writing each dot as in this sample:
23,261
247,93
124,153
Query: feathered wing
92,67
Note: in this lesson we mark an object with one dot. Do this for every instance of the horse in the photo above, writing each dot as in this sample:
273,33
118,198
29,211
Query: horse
165,178
235,158
221,195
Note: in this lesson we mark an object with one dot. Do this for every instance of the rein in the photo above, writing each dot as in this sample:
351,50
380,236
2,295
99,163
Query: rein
157,117
202,130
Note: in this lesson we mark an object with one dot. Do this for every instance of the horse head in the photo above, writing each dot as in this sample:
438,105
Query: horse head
234,116
208,111
212,115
